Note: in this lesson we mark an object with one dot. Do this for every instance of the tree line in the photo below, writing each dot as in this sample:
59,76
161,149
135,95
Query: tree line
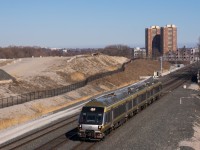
118,50
23,52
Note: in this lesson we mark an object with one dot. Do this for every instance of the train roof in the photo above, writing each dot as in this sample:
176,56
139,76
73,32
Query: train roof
115,96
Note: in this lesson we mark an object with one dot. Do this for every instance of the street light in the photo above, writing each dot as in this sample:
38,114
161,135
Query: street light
161,65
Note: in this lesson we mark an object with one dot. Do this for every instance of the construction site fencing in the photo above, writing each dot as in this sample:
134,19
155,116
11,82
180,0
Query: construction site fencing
27,97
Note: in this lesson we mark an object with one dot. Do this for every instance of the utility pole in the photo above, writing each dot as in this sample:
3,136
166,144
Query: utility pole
161,65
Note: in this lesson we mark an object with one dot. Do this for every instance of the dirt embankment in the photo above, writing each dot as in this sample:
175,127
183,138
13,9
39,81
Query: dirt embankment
133,72
21,113
34,74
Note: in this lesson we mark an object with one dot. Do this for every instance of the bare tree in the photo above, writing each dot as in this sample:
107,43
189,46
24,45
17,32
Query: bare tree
118,50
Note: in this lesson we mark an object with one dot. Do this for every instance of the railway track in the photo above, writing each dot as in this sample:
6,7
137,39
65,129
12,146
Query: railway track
29,138
60,140
169,84
84,145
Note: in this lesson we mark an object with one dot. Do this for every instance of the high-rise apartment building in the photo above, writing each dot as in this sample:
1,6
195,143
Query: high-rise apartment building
152,40
168,38
159,41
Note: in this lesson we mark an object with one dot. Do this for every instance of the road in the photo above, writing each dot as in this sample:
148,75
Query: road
163,125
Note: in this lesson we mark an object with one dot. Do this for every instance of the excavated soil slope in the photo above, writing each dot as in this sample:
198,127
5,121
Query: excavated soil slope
34,74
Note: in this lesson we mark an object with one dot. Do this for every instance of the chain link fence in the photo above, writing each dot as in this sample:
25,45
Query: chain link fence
23,98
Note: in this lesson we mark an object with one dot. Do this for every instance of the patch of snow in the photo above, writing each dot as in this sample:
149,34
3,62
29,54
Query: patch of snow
193,87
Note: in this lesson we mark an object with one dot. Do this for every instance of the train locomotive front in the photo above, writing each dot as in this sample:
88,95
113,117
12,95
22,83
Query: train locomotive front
91,122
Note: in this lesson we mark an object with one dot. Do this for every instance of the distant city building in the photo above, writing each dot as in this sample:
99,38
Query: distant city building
160,40
59,49
65,50
182,54
139,52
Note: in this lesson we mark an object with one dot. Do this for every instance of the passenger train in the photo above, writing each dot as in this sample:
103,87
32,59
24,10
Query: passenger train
104,113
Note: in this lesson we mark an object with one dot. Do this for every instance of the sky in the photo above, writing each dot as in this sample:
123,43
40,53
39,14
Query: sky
94,23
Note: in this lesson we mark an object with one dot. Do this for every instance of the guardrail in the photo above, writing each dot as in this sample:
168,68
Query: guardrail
26,97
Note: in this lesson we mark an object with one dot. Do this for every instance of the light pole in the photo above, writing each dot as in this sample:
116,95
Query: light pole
161,65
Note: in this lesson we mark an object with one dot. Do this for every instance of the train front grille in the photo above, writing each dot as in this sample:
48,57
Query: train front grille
89,133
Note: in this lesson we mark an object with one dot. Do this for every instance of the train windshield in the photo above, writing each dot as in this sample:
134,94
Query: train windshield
91,115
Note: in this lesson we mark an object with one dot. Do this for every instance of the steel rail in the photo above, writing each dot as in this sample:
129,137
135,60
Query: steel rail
39,133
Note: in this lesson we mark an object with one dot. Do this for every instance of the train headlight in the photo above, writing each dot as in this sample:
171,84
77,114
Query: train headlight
80,126
99,127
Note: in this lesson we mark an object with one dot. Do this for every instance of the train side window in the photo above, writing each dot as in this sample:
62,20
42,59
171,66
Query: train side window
157,89
135,102
108,117
129,105
123,108
143,97
120,110
116,112
154,91
148,94
139,99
